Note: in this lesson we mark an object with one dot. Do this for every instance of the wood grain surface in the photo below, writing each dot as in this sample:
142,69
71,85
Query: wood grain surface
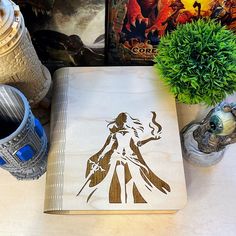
211,208
114,153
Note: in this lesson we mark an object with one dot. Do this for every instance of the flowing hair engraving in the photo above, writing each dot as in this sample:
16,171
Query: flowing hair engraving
121,159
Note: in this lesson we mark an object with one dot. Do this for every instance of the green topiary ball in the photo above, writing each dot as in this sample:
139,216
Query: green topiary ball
198,62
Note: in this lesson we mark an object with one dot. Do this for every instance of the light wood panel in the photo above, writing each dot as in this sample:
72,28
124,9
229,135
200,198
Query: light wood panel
115,143
211,208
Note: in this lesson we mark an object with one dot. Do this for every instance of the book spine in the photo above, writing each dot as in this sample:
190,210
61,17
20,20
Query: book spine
56,158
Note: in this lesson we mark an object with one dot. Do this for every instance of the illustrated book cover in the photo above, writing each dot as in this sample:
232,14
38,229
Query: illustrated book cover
135,27
114,145
66,33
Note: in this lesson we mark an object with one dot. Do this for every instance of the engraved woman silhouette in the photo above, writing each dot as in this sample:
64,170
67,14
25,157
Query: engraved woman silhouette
121,159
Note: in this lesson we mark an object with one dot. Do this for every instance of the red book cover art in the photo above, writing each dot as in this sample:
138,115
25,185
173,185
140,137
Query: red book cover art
135,26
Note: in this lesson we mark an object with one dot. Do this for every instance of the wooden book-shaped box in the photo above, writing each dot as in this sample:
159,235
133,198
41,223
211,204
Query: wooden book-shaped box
115,144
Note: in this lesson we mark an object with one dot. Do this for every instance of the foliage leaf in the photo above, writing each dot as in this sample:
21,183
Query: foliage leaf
198,62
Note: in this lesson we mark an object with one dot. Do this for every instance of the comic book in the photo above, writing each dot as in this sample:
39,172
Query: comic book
134,27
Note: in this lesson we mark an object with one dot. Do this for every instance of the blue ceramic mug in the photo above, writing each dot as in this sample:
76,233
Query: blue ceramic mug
23,142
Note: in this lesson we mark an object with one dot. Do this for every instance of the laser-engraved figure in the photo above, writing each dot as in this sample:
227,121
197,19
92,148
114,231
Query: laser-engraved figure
121,159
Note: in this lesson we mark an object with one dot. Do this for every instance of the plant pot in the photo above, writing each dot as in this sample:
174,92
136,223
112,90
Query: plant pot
23,142
190,113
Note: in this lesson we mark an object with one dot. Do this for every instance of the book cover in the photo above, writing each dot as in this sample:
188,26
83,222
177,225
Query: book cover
115,144
134,27
66,33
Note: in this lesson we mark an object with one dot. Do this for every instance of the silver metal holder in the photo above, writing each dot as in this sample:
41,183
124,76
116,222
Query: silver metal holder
23,142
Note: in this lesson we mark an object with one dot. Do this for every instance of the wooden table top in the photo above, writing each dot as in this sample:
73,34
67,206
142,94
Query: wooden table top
211,208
